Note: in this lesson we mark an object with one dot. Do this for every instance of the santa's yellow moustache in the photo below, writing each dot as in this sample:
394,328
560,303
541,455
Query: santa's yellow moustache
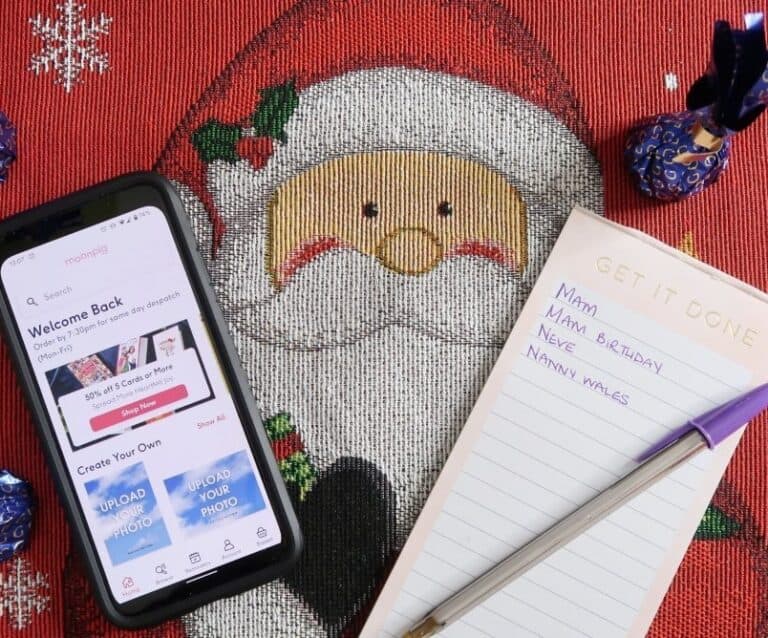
410,210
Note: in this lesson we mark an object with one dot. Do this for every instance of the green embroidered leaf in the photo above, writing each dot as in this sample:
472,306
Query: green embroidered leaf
275,108
278,426
298,470
716,526
214,140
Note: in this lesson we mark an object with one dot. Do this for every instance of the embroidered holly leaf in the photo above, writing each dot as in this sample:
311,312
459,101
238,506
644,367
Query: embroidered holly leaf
214,141
292,460
716,525
278,426
274,110
298,470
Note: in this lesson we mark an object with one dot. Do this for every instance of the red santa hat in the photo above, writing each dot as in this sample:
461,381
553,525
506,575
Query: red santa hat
334,77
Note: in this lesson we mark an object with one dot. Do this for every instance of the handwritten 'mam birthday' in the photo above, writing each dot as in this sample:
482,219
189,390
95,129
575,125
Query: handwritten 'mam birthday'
566,319
213,492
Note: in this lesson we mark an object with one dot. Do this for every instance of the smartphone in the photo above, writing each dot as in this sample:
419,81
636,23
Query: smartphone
145,414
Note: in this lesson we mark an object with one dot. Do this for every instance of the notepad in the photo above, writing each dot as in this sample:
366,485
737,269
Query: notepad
621,340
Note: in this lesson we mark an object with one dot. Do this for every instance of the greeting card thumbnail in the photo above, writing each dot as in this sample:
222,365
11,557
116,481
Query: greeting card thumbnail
89,370
127,356
215,494
128,518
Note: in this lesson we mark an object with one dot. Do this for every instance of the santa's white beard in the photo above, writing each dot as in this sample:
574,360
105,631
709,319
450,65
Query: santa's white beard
375,365
397,399
343,296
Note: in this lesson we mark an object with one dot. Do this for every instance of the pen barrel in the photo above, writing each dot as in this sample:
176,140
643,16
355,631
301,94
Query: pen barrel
565,530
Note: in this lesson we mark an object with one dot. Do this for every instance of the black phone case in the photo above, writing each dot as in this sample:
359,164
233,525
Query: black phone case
230,360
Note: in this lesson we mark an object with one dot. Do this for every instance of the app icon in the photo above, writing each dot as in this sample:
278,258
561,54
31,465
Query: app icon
161,569
228,546
128,582
195,558
261,532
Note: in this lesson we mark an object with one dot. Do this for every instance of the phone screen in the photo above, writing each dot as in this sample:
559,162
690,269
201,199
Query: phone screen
139,404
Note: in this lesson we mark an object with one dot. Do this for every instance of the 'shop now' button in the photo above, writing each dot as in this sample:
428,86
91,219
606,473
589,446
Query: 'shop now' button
137,408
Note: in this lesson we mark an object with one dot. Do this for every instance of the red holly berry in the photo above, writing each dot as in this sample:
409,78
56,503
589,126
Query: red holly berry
256,150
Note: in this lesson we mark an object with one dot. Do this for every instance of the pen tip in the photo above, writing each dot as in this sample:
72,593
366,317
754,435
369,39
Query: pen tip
425,628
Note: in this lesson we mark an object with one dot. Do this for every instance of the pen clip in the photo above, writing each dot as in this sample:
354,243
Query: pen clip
674,436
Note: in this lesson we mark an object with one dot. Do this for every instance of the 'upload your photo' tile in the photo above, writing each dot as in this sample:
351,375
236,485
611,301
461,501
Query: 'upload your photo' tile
128,518
215,493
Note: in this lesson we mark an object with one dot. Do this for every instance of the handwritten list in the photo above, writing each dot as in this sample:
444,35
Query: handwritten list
592,387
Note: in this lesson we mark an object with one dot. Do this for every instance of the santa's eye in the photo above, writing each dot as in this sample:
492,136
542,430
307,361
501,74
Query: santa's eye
444,209
370,210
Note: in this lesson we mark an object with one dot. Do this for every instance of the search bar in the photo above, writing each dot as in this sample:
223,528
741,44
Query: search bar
50,301
49,296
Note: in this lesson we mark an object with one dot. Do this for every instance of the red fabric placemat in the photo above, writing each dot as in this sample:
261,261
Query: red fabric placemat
173,66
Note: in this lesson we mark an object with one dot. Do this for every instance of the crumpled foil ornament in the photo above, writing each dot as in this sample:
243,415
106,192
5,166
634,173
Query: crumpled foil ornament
676,155
7,145
16,505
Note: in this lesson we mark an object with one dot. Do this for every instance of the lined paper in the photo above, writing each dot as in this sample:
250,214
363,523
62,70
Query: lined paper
585,386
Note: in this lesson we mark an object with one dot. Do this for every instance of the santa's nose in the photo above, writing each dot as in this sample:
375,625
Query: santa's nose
410,251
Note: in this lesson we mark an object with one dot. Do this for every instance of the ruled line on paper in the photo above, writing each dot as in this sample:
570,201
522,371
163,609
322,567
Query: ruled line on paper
566,499
608,471
586,435
505,619
595,490
662,426
572,503
593,463
545,613
639,437
566,549
511,548
527,578
668,379
519,600
614,475
646,440
490,563
477,629
402,615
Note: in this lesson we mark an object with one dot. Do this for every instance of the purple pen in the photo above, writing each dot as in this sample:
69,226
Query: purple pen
678,446
719,423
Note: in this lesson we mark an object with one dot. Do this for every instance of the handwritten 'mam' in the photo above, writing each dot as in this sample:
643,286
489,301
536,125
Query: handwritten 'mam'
572,298
558,315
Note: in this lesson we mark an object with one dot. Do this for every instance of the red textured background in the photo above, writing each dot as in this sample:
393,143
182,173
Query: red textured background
164,54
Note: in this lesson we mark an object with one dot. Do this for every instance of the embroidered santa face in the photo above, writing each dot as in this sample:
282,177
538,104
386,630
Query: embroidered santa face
407,209
397,197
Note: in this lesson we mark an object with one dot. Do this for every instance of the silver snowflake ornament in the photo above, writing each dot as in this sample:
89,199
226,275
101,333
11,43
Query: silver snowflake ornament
69,44
23,594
